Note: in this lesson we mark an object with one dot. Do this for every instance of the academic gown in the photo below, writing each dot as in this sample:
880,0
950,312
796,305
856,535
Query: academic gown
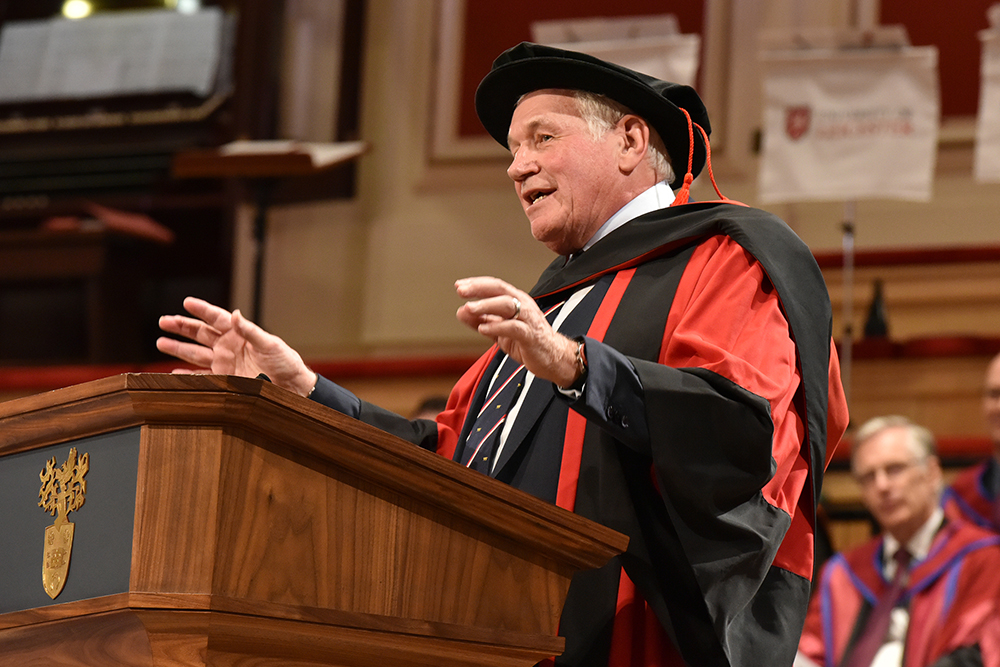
712,391
969,496
952,596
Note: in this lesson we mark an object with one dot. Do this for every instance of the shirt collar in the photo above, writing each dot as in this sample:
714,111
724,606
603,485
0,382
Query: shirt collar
652,199
918,546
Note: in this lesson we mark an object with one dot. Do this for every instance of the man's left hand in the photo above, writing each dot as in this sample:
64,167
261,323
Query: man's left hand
500,311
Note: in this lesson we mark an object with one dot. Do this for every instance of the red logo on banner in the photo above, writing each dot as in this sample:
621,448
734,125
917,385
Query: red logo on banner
797,121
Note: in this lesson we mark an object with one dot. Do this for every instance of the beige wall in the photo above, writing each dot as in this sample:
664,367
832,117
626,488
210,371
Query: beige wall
375,275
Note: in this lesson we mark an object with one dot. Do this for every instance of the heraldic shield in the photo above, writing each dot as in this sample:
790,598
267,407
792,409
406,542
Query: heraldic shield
63,491
55,564
797,121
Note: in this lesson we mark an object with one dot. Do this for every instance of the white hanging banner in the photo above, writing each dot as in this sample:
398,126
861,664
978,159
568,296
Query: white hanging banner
987,158
847,124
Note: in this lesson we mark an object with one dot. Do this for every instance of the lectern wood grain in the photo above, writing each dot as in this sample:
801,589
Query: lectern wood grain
270,530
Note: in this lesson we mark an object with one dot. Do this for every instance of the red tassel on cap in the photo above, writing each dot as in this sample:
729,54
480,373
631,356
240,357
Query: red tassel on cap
711,174
684,194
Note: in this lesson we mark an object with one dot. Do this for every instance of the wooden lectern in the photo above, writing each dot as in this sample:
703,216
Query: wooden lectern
229,522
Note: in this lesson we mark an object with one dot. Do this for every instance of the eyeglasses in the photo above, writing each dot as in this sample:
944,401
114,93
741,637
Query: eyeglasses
892,472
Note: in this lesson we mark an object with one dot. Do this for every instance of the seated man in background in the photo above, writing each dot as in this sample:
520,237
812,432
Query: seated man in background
923,592
671,375
975,494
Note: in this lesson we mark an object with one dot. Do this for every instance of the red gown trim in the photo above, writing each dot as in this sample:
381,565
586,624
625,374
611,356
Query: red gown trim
576,424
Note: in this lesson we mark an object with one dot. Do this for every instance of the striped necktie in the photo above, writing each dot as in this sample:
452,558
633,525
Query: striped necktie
481,445
486,431
877,626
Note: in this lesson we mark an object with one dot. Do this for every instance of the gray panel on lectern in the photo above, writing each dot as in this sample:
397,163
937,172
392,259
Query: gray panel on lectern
102,544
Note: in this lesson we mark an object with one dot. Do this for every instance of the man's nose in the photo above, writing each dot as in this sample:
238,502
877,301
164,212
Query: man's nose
883,480
522,165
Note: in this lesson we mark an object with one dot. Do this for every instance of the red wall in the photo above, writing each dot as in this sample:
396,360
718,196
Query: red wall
954,31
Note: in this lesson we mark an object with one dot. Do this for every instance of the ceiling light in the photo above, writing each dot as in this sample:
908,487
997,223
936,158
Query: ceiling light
188,6
77,9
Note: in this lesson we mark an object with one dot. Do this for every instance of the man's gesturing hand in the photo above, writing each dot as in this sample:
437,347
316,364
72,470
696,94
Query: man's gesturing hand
229,344
510,317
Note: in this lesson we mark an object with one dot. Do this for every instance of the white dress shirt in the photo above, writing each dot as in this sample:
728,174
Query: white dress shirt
891,653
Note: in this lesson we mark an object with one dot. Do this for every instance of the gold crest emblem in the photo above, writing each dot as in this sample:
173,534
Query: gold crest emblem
63,491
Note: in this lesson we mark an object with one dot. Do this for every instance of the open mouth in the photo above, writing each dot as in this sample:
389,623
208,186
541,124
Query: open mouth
536,197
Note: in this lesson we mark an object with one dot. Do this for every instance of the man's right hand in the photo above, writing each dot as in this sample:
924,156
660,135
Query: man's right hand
227,343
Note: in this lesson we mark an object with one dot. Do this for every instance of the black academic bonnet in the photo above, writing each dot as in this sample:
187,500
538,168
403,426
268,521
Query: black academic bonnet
528,67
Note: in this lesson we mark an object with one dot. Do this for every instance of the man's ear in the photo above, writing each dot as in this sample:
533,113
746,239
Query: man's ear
635,142
935,471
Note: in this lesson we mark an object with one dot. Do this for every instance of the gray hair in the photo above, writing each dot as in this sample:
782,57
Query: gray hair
602,113
920,439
